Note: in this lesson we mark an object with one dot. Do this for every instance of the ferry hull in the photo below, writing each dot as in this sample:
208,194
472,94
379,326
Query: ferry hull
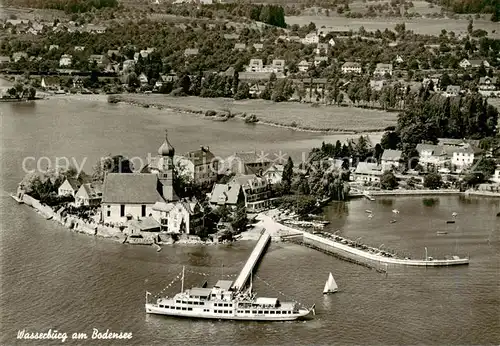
153,309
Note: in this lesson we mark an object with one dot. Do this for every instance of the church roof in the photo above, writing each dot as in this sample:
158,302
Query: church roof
131,188
166,149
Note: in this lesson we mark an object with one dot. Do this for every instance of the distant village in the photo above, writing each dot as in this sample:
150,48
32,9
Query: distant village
315,66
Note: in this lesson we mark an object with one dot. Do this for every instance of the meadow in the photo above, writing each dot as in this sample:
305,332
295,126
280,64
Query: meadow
290,114
425,26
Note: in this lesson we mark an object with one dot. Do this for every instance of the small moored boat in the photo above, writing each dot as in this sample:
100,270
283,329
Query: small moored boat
450,221
330,285
17,199
368,211
395,211
442,232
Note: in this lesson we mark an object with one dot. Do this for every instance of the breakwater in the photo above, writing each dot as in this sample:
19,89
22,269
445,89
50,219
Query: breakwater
393,193
361,254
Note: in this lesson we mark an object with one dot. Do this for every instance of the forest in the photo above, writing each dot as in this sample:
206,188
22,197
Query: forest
69,6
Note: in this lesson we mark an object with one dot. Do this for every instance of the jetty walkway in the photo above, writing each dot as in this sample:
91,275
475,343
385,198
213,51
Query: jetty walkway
252,261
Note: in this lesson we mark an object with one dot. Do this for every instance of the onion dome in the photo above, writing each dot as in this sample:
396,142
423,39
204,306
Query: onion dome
166,148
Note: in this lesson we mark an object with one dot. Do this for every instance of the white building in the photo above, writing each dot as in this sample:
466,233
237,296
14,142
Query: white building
133,195
496,175
89,194
465,63
367,172
274,174
463,157
391,159
303,66
311,38
452,91
255,65
69,187
351,67
398,59
383,69
65,60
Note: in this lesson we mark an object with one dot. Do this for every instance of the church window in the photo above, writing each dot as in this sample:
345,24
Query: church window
143,210
122,210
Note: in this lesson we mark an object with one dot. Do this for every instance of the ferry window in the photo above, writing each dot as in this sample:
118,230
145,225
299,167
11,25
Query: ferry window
190,303
177,308
272,312
201,303
190,309
183,302
225,305
254,312
161,306
178,301
247,311
261,312
195,303
230,305
266,312
183,308
289,312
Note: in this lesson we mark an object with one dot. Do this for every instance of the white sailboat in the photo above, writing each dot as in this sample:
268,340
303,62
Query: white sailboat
330,285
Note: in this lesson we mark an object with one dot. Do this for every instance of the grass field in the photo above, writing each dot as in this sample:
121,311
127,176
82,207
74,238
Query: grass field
302,116
418,25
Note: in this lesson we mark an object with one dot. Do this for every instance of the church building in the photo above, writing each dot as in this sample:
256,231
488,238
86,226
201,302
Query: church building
148,197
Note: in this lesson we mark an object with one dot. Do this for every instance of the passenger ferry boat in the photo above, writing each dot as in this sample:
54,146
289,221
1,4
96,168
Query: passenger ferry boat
222,302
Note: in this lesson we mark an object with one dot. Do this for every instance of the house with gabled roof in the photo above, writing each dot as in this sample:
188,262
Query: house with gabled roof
311,38
69,187
383,69
65,60
247,162
19,55
256,191
202,165
452,91
89,194
258,46
391,159
473,63
367,172
303,66
228,195
351,67
4,60
240,46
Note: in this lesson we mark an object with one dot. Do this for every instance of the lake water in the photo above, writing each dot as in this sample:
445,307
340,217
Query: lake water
55,279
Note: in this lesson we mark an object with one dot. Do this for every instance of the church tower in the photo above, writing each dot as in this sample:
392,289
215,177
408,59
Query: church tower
166,174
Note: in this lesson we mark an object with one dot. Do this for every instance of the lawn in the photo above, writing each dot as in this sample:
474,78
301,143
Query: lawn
427,26
300,115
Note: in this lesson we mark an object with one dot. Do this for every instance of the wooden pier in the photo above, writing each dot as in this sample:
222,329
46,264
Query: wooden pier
252,261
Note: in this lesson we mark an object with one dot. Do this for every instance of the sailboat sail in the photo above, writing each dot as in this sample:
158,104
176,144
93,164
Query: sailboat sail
330,285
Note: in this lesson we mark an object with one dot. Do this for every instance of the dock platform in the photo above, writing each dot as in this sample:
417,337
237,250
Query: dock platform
252,261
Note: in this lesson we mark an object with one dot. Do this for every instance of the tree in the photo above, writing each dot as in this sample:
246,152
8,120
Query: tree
433,181
243,91
485,166
287,175
390,140
388,181
240,219
133,80
470,27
